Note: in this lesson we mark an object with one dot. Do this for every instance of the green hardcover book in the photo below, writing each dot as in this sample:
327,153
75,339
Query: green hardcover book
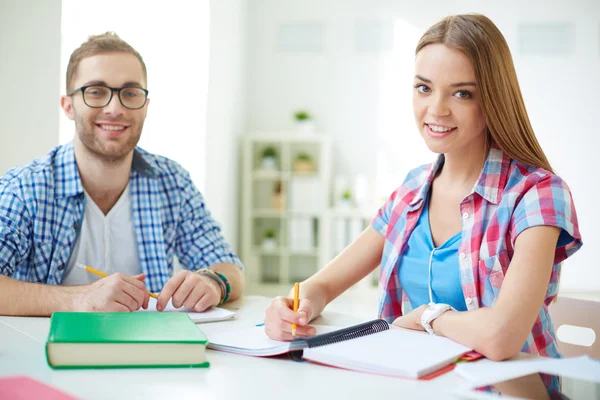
124,340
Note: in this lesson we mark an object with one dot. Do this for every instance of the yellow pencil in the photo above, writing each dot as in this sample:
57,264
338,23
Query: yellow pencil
296,301
104,275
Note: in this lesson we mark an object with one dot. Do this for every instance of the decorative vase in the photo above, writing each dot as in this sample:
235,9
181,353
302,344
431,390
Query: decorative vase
305,126
303,166
345,204
269,244
269,163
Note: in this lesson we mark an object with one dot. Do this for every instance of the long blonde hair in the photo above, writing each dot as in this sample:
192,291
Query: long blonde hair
501,100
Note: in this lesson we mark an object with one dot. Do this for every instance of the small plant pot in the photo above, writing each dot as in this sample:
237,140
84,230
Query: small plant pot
269,163
305,126
269,244
303,166
345,204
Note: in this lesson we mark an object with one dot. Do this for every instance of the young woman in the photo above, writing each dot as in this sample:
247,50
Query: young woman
470,246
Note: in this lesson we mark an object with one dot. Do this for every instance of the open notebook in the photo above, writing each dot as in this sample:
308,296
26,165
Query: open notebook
211,315
373,347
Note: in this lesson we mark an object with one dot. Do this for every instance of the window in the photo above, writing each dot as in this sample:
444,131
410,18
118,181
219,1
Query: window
399,145
173,39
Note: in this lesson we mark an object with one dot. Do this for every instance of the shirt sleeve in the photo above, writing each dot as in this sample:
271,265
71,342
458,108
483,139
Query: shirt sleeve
200,242
381,220
412,183
549,202
14,231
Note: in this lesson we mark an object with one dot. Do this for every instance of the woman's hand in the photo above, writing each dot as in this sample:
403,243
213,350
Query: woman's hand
412,320
279,318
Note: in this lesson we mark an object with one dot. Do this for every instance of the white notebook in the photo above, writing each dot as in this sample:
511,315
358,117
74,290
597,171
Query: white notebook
211,315
395,352
254,341
374,347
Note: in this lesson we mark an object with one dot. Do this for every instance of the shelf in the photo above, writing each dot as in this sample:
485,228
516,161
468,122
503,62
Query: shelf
284,251
272,213
267,213
272,201
313,174
271,252
275,175
300,213
305,253
267,174
351,213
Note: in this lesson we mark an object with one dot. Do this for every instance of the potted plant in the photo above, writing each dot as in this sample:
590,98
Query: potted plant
346,200
303,163
269,158
269,243
304,122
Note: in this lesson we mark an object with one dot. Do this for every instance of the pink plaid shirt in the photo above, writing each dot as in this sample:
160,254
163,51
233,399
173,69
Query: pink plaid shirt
508,198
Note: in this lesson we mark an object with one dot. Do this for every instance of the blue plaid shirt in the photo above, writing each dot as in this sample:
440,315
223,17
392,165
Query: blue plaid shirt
42,207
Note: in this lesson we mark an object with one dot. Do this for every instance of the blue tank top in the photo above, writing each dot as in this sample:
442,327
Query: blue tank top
445,272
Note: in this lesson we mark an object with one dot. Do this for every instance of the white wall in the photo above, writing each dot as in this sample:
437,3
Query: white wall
29,79
174,43
226,112
344,90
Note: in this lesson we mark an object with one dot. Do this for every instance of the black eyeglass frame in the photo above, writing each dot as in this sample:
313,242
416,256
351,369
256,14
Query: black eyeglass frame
112,91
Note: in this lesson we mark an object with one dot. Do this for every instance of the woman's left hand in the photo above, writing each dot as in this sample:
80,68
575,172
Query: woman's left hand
412,320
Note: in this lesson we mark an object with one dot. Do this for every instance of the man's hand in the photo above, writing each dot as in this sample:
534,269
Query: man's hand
117,292
190,290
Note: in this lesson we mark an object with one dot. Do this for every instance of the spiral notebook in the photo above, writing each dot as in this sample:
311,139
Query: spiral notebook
373,347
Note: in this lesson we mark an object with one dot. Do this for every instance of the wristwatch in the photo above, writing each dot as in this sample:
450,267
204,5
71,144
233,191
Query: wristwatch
431,313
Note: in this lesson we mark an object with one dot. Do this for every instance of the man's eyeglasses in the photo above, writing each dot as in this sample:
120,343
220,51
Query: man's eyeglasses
99,96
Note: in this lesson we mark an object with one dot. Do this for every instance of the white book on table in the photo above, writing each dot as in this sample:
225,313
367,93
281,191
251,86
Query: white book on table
213,314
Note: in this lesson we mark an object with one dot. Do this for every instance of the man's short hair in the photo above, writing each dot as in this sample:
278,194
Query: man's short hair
108,42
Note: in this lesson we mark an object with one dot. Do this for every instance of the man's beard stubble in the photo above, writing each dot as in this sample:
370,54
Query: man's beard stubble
85,132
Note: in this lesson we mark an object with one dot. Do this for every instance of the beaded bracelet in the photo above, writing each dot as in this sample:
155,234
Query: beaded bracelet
220,279
212,275
227,287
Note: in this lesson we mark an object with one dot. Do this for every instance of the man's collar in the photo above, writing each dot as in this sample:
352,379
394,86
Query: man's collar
68,181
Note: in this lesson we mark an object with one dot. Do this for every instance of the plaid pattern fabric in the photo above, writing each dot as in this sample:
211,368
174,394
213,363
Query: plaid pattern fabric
508,198
42,207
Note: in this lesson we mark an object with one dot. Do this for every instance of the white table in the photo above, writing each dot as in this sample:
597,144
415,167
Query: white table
228,377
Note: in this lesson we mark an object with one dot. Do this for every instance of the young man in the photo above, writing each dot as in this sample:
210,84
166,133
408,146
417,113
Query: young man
101,201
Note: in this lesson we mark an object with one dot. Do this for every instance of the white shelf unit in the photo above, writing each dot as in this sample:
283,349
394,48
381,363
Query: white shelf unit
344,226
285,263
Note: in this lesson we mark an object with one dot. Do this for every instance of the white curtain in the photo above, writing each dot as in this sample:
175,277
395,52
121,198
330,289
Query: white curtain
399,144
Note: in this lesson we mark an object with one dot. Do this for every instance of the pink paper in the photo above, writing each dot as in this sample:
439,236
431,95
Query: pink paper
25,388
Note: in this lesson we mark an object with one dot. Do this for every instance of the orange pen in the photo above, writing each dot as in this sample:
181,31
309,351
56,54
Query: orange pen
296,301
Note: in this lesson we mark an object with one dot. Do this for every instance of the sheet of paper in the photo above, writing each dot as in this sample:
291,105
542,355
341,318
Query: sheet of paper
211,315
486,372
583,368
24,387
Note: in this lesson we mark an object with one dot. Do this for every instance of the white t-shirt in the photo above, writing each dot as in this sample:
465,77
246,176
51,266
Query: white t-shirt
106,242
